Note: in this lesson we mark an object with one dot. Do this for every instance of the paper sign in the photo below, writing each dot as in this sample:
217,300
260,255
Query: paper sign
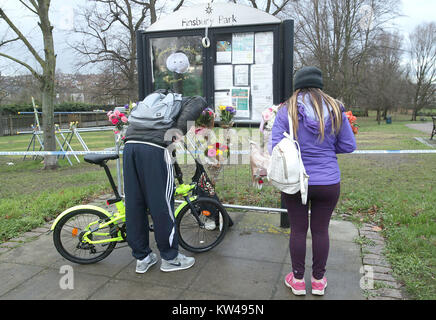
223,76
222,98
261,88
223,52
241,75
264,51
242,48
241,101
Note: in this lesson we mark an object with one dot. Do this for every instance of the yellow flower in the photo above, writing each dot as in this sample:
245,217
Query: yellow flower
222,108
219,152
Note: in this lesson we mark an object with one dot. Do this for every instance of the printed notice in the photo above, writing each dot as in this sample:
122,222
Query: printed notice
264,51
223,75
242,48
241,101
222,98
261,88
223,52
241,75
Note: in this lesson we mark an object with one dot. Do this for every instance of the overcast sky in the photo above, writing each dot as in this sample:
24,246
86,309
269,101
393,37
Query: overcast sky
62,16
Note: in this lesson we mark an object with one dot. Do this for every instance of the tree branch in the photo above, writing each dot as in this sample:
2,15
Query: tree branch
34,73
28,7
22,38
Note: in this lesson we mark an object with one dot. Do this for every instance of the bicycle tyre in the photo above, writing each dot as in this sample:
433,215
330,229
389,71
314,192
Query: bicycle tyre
60,245
200,233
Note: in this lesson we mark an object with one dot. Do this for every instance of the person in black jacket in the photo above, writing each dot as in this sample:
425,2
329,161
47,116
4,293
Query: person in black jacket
149,185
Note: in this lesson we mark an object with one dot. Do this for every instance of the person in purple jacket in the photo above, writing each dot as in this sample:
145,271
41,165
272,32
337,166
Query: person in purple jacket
322,131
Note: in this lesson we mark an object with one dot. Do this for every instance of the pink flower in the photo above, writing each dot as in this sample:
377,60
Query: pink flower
114,120
124,119
211,153
109,113
116,132
117,112
267,114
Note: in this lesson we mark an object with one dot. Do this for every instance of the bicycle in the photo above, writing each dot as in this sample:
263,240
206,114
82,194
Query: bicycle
86,234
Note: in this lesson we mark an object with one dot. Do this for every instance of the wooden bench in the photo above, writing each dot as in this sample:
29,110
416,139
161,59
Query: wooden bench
433,132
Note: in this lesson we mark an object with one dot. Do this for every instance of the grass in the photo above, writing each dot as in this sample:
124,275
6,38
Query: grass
395,191
30,196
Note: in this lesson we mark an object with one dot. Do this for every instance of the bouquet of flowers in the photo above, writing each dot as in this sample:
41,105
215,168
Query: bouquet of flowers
352,119
215,155
217,152
206,118
226,114
268,117
119,119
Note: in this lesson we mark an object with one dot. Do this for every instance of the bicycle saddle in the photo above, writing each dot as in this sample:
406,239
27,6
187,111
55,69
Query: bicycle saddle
99,158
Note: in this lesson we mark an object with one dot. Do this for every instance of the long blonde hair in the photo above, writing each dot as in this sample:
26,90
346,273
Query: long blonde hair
317,96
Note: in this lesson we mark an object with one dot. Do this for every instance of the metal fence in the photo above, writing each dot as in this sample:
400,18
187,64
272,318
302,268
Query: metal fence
13,124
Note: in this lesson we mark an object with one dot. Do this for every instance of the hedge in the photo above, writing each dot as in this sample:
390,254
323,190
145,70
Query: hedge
61,107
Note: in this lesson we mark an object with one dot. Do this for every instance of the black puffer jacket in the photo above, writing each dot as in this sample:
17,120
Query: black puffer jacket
190,111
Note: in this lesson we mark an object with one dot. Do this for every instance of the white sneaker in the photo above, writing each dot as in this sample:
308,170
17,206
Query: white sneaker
181,262
143,265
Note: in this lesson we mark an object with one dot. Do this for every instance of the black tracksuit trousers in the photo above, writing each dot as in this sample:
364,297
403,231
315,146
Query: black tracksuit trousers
149,184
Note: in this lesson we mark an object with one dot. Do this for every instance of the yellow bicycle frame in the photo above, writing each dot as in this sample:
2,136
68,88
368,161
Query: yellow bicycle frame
118,216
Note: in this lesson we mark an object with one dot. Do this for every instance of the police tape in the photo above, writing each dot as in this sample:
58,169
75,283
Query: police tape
53,153
242,152
392,151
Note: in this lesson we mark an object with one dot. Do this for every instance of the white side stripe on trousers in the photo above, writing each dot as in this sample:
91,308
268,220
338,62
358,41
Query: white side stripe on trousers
169,192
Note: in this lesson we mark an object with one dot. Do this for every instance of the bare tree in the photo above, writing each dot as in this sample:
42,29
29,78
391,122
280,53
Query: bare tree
104,28
336,35
423,65
383,85
269,6
47,63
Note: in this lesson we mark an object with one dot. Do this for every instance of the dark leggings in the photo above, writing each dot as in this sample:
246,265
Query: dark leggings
322,201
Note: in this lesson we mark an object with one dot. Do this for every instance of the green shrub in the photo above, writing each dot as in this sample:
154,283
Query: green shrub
61,107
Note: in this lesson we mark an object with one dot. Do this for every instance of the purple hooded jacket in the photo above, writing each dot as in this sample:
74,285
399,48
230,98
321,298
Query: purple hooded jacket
319,158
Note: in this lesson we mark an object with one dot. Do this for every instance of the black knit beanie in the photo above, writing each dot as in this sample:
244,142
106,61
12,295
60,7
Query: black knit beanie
308,77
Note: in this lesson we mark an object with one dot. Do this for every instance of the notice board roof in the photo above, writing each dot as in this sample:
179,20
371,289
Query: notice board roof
212,15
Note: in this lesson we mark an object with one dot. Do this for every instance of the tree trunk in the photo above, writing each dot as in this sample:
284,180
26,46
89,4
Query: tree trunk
50,162
414,114
48,83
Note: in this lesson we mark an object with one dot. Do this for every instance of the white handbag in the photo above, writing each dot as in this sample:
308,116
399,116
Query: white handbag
286,170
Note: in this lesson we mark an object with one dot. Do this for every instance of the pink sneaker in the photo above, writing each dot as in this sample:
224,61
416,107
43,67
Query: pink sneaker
318,287
298,287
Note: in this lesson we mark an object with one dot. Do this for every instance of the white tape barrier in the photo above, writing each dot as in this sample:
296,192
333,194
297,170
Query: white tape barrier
53,153
68,153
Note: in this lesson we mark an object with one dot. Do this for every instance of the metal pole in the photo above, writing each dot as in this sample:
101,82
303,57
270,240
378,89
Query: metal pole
117,150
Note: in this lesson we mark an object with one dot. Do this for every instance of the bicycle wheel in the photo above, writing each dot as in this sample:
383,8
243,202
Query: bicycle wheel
208,231
68,233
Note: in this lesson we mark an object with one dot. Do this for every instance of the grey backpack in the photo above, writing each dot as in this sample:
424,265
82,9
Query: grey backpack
159,110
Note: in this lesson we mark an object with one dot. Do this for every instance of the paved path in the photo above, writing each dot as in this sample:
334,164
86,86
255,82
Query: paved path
426,127
250,263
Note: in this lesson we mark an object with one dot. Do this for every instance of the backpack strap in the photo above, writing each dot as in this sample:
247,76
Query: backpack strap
304,178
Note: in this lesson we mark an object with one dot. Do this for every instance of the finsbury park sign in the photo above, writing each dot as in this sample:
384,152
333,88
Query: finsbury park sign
212,15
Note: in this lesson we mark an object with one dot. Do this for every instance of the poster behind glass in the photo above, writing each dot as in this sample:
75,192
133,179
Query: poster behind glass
177,64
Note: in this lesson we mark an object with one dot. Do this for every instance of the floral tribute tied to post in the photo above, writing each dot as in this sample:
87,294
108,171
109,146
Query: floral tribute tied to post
352,119
120,120
217,152
226,115
205,121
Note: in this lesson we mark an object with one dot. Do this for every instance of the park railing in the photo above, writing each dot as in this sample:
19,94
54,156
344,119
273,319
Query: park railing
22,122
